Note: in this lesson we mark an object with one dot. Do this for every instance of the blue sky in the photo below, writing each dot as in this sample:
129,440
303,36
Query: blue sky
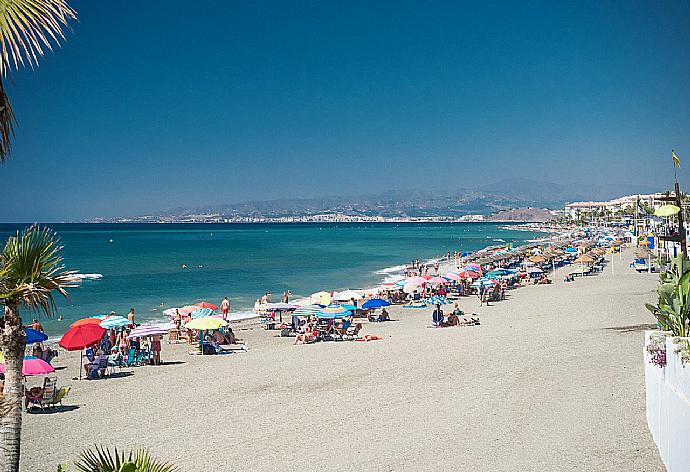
152,105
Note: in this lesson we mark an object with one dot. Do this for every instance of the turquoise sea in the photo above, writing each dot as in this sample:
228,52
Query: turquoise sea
140,265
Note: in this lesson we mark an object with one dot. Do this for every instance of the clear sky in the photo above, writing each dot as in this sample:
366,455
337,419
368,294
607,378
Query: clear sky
155,104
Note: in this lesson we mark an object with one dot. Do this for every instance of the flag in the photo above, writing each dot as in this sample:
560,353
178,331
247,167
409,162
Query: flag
676,161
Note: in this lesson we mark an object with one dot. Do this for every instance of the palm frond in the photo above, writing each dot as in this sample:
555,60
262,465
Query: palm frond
102,459
28,27
7,121
31,269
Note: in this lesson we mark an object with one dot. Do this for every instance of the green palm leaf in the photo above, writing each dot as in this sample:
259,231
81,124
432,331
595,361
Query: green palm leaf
102,459
28,28
31,269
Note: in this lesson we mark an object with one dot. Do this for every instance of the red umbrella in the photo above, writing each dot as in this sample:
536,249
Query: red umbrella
79,337
85,321
206,305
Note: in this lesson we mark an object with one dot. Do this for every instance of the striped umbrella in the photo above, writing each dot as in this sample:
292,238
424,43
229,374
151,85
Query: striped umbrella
307,310
114,322
201,313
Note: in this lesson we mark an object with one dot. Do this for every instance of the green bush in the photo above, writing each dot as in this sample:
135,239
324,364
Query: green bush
101,459
673,308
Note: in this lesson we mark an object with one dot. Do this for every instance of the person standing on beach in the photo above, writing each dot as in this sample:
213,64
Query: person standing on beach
286,297
130,316
225,307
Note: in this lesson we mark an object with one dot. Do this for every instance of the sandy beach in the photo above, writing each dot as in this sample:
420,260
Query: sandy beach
551,380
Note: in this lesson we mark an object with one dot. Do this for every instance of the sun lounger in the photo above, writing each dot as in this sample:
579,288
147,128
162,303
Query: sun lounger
57,399
42,396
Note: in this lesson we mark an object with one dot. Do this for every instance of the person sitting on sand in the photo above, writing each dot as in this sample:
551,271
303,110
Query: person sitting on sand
230,337
452,320
457,311
384,316
437,316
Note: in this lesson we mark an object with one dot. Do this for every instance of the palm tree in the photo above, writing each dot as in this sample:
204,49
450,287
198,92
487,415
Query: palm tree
104,460
31,272
27,29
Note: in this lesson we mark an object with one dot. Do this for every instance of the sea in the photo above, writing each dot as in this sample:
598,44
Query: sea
151,267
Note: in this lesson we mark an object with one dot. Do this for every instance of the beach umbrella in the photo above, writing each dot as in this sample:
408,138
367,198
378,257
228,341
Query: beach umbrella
348,295
307,310
416,279
32,365
570,250
34,336
437,280
375,303
142,331
485,283
85,321
534,270
114,322
584,259
452,276
206,305
206,323
410,287
321,298
201,313
474,265
334,311
188,309
666,210
78,337
401,283
170,312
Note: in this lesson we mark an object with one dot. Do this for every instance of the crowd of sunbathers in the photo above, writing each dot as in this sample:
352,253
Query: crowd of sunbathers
312,330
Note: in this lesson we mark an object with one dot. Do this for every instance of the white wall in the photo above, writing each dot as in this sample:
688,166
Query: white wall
668,407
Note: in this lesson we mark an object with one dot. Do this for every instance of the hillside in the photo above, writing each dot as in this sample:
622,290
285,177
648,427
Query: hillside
522,214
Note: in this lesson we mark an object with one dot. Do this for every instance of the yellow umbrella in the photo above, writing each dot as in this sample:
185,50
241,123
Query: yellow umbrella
666,210
321,298
208,322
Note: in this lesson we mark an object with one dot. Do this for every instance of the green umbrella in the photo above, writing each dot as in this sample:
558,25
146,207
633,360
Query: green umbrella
666,210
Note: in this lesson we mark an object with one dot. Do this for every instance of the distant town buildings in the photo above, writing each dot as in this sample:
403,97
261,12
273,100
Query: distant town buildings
576,209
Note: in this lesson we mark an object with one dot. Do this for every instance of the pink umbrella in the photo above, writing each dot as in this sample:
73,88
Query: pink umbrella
186,310
416,280
452,276
437,280
147,330
32,366
476,266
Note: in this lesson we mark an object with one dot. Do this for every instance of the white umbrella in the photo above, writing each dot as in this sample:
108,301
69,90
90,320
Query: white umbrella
348,295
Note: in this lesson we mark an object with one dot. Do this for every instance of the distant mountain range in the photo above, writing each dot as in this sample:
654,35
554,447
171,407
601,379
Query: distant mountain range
486,200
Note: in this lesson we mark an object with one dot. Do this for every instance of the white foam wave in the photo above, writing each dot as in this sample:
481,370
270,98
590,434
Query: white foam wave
391,270
80,277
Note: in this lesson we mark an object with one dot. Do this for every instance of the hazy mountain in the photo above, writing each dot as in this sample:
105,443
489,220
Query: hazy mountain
504,195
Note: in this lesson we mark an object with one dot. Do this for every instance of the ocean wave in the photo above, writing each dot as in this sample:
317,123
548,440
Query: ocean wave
391,270
81,277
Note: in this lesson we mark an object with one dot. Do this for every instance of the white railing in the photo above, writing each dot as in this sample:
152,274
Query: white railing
668,406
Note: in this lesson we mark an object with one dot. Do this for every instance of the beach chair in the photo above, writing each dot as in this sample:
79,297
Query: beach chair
114,360
352,332
130,360
59,396
98,371
143,357
44,395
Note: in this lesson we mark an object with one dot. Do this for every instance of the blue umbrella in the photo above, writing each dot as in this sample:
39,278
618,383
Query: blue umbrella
570,250
350,307
375,303
33,336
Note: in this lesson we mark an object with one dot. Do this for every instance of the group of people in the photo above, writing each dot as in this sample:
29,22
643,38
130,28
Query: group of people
455,318
311,330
